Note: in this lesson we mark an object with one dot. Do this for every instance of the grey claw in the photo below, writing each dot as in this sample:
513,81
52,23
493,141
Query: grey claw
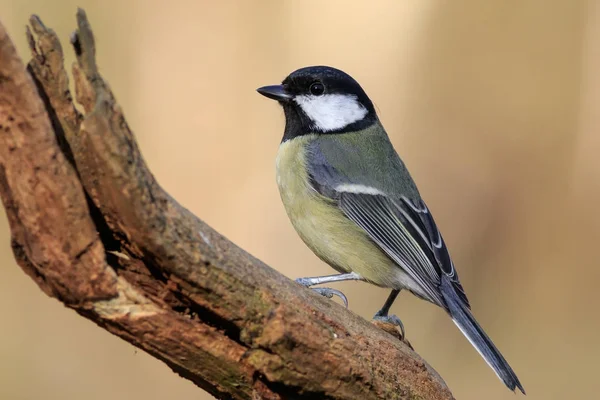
392,319
329,293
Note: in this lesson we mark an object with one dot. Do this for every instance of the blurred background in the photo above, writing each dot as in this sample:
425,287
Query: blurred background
493,105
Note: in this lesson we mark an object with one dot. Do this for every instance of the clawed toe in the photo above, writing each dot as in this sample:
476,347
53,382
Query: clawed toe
391,319
329,293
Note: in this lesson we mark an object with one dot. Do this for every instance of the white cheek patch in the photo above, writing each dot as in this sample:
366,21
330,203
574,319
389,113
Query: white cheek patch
330,112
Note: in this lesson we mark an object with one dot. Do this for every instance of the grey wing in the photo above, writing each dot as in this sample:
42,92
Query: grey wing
406,232
403,228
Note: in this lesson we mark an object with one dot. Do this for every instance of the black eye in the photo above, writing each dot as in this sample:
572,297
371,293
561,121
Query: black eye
317,88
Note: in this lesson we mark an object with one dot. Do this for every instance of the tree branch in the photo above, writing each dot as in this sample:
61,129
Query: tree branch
94,229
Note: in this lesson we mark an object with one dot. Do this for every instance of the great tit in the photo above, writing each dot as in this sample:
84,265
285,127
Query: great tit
353,202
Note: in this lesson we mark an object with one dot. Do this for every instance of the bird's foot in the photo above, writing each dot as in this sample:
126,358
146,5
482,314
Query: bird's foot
391,319
327,292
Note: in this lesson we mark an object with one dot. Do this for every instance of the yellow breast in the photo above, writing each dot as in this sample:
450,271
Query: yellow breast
321,224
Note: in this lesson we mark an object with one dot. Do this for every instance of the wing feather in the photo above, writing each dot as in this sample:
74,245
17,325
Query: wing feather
407,233
440,251
377,215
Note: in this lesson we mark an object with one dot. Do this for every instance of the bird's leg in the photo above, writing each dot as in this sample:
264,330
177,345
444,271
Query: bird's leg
383,314
317,280
329,292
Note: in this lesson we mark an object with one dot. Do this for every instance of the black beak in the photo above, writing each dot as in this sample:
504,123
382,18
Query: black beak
275,92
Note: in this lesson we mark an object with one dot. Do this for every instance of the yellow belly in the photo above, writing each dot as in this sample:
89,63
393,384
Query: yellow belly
324,228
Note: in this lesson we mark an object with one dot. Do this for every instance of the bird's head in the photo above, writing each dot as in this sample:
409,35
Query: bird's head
321,100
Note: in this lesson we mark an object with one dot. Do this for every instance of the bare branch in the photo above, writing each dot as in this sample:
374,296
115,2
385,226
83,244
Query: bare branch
94,229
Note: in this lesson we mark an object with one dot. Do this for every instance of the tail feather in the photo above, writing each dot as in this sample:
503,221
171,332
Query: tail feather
462,317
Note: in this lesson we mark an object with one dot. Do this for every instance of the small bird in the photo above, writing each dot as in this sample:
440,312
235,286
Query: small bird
353,202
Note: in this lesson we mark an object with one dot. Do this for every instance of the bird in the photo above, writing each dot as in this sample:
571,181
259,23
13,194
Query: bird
353,202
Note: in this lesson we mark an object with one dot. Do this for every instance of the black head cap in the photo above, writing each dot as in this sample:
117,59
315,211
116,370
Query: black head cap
321,99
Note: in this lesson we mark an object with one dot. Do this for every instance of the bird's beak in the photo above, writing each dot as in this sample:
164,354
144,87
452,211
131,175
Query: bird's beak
275,92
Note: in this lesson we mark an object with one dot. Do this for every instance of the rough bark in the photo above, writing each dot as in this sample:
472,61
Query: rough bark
94,229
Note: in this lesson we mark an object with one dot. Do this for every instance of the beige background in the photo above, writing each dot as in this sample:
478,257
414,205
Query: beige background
493,105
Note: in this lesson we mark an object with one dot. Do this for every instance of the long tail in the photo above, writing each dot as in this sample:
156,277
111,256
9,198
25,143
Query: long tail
462,317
